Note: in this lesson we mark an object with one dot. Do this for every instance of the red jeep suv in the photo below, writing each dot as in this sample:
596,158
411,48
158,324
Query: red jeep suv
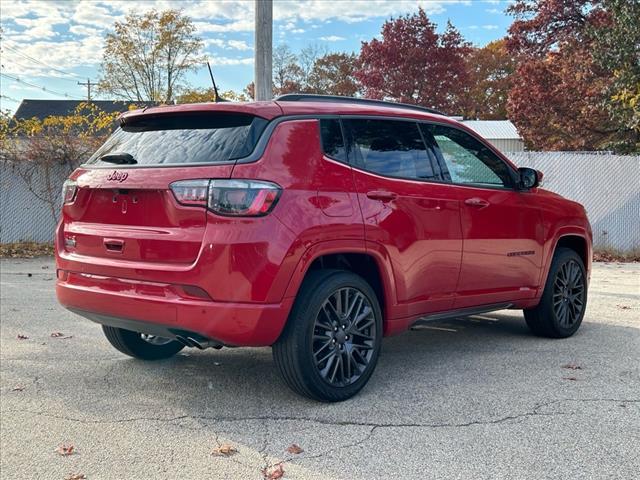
313,224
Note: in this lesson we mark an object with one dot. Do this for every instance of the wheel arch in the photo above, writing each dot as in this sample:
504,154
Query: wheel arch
372,266
574,238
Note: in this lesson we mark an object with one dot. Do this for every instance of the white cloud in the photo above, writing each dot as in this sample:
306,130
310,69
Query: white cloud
39,28
84,31
490,27
231,61
214,42
244,25
495,11
91,13
332,38
36,27
227,44
238,45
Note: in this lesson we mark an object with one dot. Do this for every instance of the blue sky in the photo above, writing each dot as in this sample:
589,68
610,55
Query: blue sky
55,44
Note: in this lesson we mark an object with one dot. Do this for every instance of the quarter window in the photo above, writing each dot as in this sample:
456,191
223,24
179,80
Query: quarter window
391,148
332,140
467,159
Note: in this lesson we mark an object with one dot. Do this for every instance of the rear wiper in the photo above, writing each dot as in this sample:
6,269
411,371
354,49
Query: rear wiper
119,158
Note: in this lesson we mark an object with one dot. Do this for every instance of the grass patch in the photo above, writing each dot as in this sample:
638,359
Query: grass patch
25,250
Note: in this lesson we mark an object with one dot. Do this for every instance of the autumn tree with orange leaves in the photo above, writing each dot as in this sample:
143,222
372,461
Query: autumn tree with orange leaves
560,94
413,63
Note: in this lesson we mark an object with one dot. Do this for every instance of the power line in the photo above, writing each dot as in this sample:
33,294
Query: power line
13,62
62,94
88,84
28,57
11,99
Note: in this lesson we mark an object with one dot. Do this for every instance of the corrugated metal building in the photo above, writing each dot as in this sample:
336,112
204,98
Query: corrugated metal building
501,133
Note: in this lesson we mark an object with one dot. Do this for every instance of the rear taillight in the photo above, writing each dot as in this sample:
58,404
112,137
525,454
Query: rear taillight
235,198
242,198
191,192
69,191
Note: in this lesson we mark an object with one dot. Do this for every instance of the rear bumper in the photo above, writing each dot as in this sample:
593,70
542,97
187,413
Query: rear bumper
157,308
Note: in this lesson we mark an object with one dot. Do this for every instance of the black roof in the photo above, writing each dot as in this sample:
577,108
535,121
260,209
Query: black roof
309,97
42,109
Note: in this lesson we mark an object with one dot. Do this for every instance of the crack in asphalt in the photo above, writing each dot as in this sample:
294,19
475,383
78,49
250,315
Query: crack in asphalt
266,418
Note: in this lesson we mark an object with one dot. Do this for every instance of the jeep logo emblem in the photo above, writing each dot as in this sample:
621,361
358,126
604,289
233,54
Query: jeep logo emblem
117,176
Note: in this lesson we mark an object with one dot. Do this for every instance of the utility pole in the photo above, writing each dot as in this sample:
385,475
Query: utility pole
263,49
88,85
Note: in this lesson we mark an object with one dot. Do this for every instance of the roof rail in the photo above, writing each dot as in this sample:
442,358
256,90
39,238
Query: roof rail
308,97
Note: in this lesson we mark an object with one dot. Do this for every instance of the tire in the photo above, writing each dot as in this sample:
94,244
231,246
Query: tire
562,306
132,344
308,337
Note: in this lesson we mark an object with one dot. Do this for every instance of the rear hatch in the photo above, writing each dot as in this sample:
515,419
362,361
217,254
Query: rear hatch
123,206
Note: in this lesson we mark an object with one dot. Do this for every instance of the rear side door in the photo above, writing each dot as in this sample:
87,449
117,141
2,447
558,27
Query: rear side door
408,209
501,226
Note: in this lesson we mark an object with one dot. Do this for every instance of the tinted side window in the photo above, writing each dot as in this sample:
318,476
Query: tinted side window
389,147
467,159
332,141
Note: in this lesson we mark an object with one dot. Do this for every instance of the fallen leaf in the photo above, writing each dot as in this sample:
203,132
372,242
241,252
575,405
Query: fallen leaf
18,388
61,335
573,379
217,364
76,476
66,450
22,337
225,450
295,449
624,307
273,473
572,366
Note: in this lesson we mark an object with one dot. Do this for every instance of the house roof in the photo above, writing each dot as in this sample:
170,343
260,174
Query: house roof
41,109
494,129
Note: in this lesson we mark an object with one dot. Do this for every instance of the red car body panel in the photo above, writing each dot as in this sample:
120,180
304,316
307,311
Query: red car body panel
141,255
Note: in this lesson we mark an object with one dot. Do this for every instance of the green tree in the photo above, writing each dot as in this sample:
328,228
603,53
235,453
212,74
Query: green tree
333,74
490,71
616,49
147,56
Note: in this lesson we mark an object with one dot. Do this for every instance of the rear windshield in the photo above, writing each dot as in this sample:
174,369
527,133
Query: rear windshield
194,138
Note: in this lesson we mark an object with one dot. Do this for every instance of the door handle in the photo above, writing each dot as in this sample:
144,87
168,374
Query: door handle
382,195
476,202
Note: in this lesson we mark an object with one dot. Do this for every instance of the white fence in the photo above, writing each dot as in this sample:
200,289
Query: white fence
607,185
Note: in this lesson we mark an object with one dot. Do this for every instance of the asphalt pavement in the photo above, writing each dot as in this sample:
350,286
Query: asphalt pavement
470,398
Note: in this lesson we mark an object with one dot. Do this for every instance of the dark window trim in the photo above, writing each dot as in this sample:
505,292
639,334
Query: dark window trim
262,142
324,152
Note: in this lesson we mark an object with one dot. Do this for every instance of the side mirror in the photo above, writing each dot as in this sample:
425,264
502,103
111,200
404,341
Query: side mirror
529,178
